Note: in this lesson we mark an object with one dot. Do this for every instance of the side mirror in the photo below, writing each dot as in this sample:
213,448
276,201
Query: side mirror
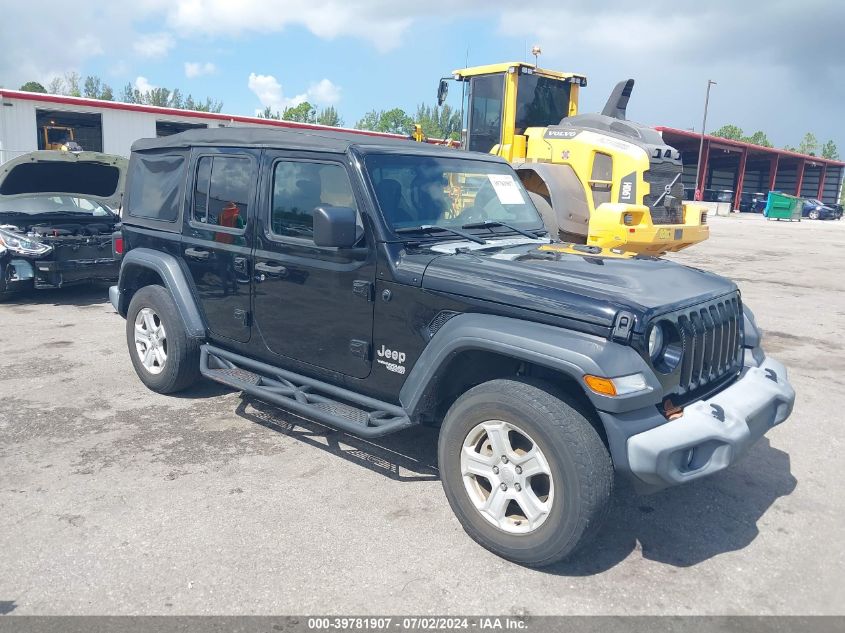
335,226
442,91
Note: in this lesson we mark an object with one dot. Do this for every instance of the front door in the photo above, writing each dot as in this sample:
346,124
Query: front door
312,304
217,237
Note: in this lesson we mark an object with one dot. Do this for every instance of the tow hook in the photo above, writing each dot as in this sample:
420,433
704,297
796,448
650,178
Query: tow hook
717,412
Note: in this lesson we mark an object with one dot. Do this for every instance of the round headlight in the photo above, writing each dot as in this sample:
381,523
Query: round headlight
655,341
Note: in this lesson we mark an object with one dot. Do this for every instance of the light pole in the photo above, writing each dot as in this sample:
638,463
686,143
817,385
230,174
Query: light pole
699,193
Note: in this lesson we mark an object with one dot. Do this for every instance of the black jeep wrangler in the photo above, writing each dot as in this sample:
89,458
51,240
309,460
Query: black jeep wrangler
373,284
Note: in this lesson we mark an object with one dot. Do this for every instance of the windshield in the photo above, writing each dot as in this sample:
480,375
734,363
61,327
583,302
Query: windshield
540,101
58,135
35,205
416,191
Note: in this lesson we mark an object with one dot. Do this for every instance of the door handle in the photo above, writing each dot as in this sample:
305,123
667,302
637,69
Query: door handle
271,269
197,253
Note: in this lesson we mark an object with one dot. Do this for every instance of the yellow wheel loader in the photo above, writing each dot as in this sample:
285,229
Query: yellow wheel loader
60,138
597,179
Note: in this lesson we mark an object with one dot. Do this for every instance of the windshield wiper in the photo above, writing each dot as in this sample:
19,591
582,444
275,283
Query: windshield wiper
491,223
428,228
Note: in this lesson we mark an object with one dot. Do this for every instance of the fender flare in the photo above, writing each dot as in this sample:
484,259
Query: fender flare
565,195
571,353
167,267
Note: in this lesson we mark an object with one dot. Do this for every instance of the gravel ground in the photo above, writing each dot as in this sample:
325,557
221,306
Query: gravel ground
116,500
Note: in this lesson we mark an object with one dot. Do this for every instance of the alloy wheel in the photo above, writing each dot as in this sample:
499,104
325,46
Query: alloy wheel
150,340
507,477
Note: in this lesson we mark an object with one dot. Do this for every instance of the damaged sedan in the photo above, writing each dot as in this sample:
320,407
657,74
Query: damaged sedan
57,218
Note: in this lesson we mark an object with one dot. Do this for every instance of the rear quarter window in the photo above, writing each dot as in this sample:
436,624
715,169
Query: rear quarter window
155,186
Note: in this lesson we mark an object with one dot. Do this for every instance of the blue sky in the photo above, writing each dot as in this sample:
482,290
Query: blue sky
779,64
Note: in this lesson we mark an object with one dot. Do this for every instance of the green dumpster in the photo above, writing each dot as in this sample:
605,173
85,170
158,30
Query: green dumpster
782,206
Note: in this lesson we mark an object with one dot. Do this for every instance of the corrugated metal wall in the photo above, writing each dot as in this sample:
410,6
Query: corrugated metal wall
121,128
18,133
723,176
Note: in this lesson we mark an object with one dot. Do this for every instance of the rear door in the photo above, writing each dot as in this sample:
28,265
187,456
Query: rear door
217,237
312,304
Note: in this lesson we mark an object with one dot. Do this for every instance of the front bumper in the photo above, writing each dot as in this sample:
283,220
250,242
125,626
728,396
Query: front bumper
55,274
714,433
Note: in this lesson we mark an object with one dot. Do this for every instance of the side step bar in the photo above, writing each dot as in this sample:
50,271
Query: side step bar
336,407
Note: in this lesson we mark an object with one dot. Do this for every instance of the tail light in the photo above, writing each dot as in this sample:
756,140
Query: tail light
628,219
704,218
117,244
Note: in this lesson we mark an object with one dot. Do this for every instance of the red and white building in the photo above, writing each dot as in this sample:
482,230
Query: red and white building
106,126
730,167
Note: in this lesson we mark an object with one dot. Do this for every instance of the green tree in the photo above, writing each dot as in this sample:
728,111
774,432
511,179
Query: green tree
72,80
269,114
439,122
758,138
158,97
729,131
829,150
302,113
56,86
394,121
369,121
106,93
208,105
33,86
809,144
329,116
128,94
91,88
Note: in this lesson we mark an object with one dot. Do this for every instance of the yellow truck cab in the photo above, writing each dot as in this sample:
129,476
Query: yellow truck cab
597,179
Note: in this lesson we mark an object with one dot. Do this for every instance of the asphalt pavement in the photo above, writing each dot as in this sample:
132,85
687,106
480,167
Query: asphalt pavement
117,500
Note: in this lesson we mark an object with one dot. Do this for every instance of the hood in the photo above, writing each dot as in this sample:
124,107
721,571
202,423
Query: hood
585,288
93,175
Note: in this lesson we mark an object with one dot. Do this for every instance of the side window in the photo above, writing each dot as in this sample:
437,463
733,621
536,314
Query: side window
154,186
222,191
299,187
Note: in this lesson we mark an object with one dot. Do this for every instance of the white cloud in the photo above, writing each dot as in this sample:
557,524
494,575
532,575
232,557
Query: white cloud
143,85
381,22
154,45
198,69
270,93
324,92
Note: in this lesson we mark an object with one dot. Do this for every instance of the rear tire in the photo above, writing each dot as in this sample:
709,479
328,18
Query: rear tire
165,358
813,215
573,488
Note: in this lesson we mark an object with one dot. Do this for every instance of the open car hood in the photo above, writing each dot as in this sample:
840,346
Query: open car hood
93,175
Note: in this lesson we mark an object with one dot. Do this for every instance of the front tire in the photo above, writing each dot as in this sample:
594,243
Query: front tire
165,358
524,471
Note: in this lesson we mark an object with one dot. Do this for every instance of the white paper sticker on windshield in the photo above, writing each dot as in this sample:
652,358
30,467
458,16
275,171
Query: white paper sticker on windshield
506,189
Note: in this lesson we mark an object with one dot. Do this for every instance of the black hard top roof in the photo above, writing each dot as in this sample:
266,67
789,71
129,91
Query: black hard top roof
305,139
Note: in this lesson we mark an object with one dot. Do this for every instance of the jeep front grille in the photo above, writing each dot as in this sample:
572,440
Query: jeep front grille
711,338
659,176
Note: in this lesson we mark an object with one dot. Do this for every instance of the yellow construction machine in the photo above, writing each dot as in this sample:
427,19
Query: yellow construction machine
597,179
59,137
